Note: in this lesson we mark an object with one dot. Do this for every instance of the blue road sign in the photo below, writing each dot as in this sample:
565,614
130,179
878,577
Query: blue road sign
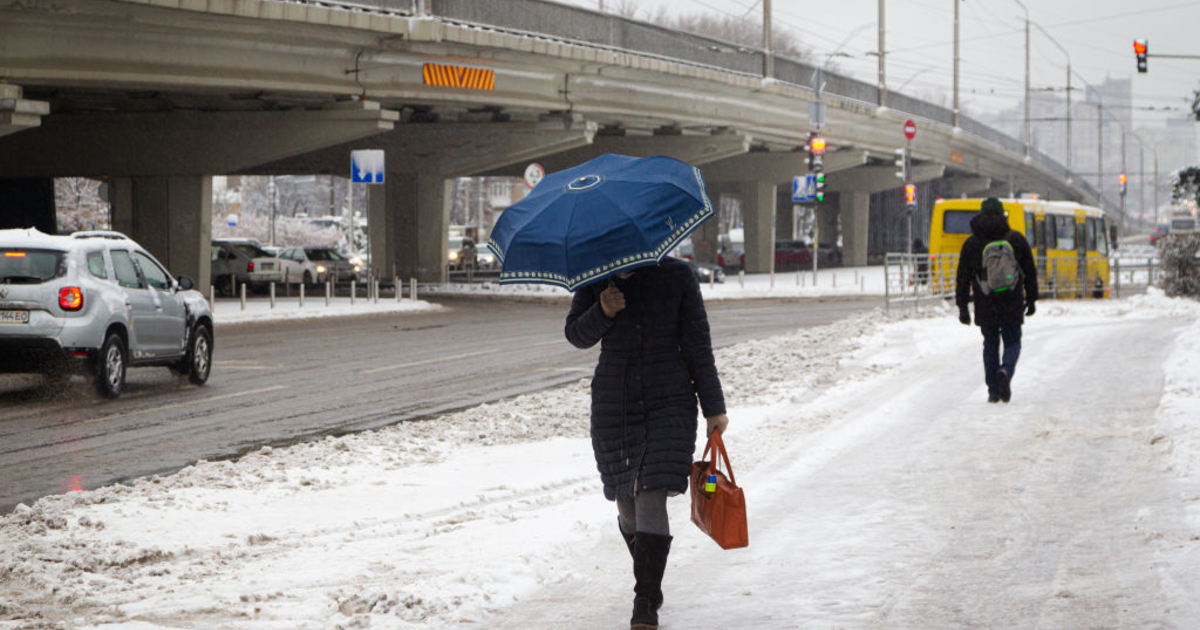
366,166
804,189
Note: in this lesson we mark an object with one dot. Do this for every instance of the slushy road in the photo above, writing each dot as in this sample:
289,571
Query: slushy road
282,382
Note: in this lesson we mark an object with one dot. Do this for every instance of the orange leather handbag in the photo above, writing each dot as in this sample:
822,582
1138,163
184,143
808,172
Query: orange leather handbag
718,504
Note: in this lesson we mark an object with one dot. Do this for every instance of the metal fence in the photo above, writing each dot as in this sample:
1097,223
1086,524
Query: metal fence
913,278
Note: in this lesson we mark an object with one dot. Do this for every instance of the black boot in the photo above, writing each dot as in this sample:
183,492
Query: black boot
649,562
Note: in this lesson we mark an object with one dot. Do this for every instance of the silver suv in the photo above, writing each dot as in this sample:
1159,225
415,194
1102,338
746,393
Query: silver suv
97,303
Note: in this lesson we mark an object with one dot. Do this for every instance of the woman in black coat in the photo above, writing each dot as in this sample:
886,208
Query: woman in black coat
655,361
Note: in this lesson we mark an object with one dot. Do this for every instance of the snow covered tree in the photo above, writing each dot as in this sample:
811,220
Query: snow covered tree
1185,186
79,206
1181,267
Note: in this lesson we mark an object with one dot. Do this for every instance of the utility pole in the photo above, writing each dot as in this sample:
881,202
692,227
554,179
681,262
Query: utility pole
768,56
1155,186
1100,148
1070,177
1028,128
1124,213
1142,184
882,55
956,58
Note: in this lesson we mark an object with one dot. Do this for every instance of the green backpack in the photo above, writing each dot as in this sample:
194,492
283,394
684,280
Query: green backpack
1000,271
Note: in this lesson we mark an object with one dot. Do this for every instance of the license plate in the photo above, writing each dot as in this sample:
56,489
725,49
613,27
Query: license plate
14,317
268,266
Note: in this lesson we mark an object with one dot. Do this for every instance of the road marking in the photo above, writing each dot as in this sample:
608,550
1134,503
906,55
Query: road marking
188,403
455,357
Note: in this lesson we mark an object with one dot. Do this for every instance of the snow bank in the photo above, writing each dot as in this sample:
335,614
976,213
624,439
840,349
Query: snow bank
229,311
449,521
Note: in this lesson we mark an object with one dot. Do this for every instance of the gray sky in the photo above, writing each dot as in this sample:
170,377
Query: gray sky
1098,34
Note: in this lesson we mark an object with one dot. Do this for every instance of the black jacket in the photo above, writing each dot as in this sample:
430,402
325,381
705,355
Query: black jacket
655,360
997,309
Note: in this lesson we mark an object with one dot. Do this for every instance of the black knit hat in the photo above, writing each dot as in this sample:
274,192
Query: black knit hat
992,205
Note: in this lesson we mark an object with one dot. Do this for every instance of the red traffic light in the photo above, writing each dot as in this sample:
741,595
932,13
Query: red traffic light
1123,179
1139,47
910,194
817,145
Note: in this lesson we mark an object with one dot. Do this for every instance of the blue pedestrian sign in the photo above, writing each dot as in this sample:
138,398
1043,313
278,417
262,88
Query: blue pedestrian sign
804,189
366,166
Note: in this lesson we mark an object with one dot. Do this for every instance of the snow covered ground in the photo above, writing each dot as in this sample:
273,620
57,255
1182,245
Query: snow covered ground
829,282
884,492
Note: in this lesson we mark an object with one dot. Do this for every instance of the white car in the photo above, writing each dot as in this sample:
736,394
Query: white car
296,267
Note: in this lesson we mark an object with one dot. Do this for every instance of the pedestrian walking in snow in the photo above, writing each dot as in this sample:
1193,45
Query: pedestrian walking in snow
996,266
655,361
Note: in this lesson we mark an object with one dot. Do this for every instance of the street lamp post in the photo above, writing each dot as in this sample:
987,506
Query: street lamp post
1028,129
1068,55
956,60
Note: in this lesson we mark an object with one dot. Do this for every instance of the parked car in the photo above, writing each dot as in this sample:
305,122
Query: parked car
97,303
1160,231
332,264
297,267
242,261
706,272
462,253
792,255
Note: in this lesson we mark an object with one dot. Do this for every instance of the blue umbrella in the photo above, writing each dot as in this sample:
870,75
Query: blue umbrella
607,215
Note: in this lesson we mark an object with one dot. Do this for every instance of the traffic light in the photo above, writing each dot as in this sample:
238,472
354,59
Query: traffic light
816,152
910,196
820,191
1123,181
901,165
1141,49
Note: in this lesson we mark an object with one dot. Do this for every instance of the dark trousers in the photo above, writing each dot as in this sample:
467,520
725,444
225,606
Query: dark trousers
992,360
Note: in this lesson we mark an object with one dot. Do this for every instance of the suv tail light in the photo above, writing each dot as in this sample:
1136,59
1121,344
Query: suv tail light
250,266
70,298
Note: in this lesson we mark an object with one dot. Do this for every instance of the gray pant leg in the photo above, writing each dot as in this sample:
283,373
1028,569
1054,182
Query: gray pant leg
646,513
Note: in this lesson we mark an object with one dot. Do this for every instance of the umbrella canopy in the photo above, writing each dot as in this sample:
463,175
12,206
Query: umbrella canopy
605,216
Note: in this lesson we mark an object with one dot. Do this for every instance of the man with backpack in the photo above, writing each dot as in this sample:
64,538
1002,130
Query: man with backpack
996,264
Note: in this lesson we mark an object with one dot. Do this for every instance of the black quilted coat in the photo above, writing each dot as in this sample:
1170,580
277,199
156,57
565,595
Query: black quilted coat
999,309
655,360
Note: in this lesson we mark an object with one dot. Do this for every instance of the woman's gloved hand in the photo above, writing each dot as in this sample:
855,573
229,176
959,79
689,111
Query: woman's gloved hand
964,316
718,422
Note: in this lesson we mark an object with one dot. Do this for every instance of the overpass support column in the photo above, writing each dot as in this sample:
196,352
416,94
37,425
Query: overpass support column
171,216
410,218
827,224
758,213
785,215
855,210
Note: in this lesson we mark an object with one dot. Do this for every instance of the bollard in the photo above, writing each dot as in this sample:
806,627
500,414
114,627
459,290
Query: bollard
212,296
835,279
772,276
328,292
741,278
243,297
301,295
412,289
798,275
353,292
272,296
396,286
375,296
712,280
856,276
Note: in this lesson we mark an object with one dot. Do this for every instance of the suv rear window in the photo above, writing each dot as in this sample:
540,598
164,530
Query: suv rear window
252,251
30,266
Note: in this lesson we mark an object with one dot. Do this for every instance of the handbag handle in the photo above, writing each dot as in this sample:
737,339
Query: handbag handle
717,446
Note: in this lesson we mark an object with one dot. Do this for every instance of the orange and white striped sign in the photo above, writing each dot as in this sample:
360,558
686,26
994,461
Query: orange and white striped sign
459,77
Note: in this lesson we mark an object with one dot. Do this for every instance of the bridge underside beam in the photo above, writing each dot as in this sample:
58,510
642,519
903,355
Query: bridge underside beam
17,113
183,142
693,149
778,168
967,186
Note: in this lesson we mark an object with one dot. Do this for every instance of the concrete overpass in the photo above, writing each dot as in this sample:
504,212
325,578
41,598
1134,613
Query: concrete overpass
159,95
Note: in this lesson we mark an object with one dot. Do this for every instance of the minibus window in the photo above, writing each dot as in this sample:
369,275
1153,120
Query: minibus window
958,221
1066,232
1030,231
1051,233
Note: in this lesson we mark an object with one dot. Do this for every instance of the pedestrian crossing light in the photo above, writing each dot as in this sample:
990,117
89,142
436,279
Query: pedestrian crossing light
1123,181
820,191
910,196
901,165
1141,49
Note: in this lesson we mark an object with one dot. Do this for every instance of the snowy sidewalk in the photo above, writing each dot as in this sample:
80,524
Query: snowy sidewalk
883,493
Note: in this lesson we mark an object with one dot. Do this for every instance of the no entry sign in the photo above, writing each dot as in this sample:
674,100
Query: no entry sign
910,129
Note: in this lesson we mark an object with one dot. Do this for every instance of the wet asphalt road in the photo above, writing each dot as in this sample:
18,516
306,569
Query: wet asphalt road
282,382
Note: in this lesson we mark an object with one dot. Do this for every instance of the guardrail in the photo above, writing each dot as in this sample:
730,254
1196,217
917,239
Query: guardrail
911,278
